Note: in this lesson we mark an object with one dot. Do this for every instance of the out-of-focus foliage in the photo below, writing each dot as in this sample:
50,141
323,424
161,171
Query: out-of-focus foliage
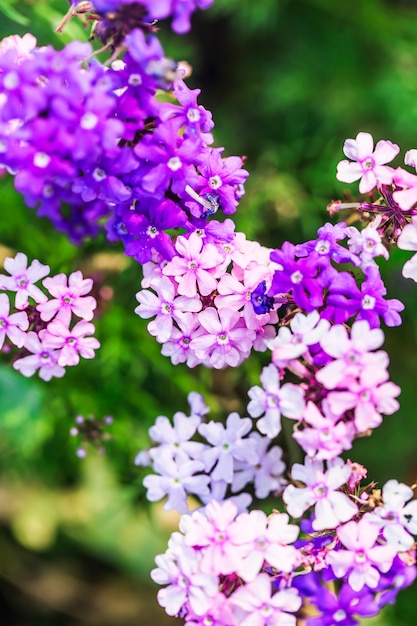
287,82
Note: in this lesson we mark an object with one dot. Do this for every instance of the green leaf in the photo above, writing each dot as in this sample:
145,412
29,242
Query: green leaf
12,14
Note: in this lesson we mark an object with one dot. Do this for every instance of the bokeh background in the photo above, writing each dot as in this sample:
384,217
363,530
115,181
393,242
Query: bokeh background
287,82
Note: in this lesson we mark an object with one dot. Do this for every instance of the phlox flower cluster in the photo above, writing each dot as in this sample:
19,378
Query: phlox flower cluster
90,144
396,205
234,567
326,332
215,466
344,385
201,301
42,326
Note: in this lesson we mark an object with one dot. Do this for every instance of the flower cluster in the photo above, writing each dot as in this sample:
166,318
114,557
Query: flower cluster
217,468
43,324
396,204
202,300
228,568
326,301
90,144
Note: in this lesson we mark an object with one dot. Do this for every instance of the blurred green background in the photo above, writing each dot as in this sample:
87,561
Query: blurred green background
287,82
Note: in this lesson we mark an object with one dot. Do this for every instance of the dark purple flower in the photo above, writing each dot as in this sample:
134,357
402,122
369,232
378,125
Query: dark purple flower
367,302
298,277
148,230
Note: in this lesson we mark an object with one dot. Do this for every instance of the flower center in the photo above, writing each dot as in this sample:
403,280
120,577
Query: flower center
215,182
11,80
368,302
41,160
296,277
152,232
135,80
193,115
89,121
322,247
99,174
222,338
174,163
339,615
368,164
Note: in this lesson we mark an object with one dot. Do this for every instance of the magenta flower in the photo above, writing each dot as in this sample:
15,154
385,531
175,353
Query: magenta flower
368,165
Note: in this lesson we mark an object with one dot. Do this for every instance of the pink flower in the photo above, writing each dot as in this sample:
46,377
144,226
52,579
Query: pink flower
72,343
363,558
68,298
223,338
370,396
255,604
213,533
368,165
42,358
350,353
324,439
265,539
191,267
22,279
12,326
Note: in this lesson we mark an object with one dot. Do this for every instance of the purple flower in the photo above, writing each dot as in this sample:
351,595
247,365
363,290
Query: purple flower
367,303
298,277
341,609
147,229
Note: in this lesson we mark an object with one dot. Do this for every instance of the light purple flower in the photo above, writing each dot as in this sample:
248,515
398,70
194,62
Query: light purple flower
22,279
395,517
271,400
175,479
227,446
363,558
368,165
331,506
166,305
43,359
12,326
